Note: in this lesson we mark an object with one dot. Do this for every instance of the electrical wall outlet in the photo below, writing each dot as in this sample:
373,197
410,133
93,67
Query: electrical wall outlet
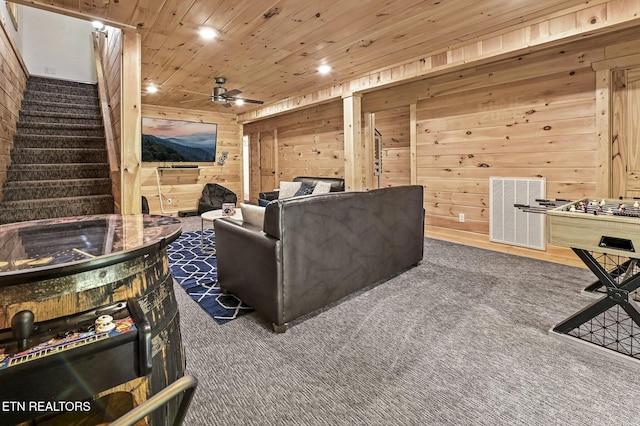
460,217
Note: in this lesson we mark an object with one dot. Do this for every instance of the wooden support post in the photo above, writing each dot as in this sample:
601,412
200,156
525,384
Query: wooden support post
413,143
353,150
131,148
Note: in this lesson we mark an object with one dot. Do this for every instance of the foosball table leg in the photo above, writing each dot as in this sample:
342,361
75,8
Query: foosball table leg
617,294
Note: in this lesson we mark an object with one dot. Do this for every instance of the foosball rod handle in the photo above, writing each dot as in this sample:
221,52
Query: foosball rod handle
22,327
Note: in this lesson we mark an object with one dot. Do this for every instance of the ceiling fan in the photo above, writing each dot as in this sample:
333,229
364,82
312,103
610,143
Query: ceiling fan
221,95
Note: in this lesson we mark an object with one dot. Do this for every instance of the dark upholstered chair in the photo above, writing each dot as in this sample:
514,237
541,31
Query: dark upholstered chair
213,196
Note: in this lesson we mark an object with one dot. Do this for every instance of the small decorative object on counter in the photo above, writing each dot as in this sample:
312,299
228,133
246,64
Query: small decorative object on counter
228,209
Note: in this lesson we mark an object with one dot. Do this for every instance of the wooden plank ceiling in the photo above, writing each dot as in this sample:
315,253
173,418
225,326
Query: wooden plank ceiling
270,49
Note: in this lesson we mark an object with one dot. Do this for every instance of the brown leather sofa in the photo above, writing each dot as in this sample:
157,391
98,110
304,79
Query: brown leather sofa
315,250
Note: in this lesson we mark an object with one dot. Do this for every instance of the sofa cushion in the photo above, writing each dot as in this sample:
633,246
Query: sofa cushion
252,214
304,190
288,189
337,184
322,188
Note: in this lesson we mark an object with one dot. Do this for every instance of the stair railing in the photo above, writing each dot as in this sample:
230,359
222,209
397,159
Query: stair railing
112,154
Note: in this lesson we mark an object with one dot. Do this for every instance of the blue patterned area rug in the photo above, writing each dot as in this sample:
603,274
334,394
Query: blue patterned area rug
196,271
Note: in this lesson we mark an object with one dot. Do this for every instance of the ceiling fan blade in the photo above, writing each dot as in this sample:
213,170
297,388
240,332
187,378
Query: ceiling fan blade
196,93
232,92
253,101
221,96
248,101
195,100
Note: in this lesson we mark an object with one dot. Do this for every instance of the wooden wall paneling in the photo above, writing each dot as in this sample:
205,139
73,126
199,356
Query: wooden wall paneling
327,118
633,132
254,166
131,154
633,75
268,141
451,196
523,68
394,97
13,79
395,128
573,59
184,186
573,177
396,166
626,49
500,124
499,161
625,153
570,87
310,141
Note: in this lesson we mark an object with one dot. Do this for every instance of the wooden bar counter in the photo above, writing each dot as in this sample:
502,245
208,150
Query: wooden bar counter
60,267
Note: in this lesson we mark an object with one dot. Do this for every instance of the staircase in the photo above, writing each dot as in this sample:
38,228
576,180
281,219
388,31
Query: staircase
58,162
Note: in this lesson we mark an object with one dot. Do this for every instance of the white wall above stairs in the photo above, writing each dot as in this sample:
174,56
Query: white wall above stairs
4,11
57,46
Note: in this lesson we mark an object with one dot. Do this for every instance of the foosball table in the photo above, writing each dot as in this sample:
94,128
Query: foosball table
605,235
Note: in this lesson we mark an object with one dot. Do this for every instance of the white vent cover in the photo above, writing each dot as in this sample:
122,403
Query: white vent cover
510,225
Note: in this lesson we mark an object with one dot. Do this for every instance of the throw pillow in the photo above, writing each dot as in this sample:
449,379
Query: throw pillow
288,189
304,190
322,188
253,215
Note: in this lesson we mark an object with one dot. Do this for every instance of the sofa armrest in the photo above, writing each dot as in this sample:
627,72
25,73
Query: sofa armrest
269,195
248,264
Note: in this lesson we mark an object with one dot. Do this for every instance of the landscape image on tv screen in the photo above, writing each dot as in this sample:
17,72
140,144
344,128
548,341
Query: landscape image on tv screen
178,141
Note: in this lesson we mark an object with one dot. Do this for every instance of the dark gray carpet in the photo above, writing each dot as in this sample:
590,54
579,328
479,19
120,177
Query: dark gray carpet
460,340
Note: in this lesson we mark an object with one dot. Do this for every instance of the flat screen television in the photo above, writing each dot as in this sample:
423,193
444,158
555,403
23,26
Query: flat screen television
178,141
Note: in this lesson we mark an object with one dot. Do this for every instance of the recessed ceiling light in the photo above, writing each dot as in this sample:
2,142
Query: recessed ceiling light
152,89
239,102
324,69
207,33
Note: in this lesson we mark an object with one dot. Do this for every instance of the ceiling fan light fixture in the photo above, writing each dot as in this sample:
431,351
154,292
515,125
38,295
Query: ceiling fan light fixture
207,33
220,95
